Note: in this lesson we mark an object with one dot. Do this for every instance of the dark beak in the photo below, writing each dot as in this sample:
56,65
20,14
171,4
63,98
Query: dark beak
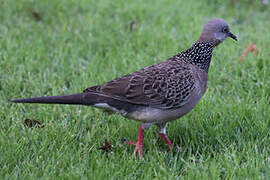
232,36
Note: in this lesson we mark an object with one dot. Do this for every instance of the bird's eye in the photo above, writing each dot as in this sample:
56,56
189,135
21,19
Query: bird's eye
225,30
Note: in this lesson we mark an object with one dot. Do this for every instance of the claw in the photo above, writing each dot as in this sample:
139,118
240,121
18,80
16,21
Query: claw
131,143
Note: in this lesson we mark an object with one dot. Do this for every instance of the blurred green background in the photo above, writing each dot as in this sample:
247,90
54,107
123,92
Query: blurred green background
58,47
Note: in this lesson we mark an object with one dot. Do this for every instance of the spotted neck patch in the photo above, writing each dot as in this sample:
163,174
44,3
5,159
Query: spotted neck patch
199,54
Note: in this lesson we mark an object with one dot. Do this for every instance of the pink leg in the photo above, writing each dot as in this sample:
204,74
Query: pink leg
165,138
139,143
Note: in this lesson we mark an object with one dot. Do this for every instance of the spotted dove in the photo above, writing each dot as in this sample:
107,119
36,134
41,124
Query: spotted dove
156,94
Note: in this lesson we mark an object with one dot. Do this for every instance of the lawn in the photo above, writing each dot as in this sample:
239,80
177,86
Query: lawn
56,47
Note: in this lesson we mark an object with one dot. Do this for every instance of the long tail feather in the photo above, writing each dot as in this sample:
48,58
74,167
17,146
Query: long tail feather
65,99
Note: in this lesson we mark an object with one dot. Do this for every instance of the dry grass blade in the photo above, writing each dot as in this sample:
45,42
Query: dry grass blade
106,147
32,123
250,48
132,26
35,14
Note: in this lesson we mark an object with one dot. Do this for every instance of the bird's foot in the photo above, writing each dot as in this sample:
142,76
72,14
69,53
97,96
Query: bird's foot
165,138
139,143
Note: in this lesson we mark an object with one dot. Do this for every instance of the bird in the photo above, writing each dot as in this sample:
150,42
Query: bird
157,94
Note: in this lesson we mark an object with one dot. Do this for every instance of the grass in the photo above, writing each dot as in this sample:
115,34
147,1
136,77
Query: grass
77,44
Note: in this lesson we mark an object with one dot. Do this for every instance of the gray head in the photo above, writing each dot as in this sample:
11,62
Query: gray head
216,31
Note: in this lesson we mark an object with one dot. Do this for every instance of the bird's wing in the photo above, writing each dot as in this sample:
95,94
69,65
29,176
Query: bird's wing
165,85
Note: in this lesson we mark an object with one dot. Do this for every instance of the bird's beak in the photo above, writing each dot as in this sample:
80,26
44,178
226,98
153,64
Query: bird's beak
233,36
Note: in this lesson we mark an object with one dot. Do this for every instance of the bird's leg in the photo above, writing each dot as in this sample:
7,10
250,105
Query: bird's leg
139,143
165,138
162,134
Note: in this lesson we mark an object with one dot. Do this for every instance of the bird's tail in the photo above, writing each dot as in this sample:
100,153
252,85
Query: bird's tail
90,99
65,99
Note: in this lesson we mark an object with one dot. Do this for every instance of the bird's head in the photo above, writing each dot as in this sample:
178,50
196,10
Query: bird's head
216,31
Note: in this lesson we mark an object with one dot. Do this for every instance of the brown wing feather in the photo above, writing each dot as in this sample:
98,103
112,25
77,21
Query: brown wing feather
162,85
